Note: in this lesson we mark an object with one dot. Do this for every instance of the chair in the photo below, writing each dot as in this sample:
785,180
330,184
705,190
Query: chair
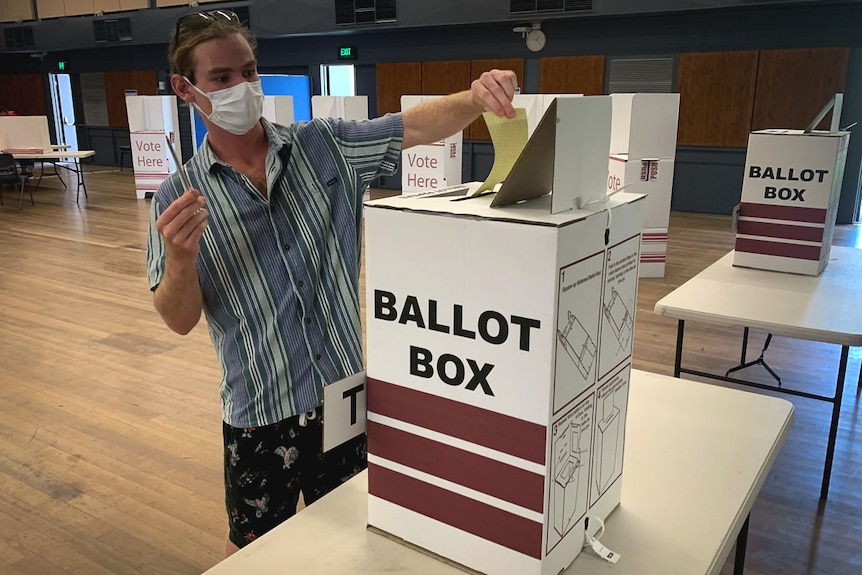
9,174
125,151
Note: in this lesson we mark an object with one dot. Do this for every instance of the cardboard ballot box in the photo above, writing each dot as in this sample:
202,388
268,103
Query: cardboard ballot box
790,195
499,350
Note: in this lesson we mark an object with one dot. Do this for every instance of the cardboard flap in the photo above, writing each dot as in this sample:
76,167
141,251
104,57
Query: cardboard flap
532,176
836,104
575,130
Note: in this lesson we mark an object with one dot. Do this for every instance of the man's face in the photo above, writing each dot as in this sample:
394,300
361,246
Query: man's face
221,63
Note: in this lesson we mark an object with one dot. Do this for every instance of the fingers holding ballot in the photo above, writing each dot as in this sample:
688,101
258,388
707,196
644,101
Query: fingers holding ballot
183,223
494,91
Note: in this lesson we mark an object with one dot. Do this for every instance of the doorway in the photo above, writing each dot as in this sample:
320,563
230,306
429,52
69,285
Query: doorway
337,80
63,110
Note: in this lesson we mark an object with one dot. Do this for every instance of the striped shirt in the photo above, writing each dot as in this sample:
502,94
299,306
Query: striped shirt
280,274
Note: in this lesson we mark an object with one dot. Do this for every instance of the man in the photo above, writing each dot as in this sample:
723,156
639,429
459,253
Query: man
267,245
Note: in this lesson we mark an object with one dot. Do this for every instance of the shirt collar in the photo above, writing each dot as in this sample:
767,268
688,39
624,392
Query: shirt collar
278,143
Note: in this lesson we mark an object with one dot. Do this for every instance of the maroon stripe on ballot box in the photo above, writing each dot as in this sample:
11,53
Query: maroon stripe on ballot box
490,429
787,213
783,231
476,472
782,249
485,521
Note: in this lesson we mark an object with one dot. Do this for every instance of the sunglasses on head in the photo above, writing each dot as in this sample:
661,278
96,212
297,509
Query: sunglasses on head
201,20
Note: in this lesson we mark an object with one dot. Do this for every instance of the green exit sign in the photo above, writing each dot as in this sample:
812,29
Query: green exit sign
347,53
61,66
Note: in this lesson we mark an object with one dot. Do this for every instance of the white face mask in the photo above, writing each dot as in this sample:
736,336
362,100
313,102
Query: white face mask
236,109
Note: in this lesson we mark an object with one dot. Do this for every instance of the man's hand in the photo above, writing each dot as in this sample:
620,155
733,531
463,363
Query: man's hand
493,92
182,224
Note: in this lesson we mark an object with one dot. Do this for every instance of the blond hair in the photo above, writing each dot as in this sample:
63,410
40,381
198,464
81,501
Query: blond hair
181,49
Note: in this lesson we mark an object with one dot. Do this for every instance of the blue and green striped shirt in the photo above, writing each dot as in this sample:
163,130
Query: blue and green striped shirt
280,274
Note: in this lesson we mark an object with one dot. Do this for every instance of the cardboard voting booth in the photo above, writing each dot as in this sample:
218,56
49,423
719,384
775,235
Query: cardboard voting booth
654,178
345,107
643,152
25,134
645,125
790,195
432,166
151,118
499,352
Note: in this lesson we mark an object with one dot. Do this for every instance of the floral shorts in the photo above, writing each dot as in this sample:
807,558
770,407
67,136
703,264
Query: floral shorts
265,468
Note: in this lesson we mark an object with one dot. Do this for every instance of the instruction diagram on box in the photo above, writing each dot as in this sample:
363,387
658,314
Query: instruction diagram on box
620,318
611,404
619,297
570,444
578,310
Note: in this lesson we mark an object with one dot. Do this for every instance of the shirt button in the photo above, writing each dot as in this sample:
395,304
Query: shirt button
301,284
287,246
317,356
308,320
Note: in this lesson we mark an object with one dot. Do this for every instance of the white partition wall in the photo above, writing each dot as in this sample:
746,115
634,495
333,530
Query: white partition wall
25,134
279,109
151,118
344,107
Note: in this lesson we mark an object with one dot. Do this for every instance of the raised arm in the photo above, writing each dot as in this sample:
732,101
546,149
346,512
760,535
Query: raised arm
432,121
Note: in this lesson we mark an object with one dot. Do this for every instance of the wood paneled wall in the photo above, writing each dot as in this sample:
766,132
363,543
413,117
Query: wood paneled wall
24,94
794,85
716,97
395,80
478,130
724,96
572,75
116,84
12,10
446,77
437,78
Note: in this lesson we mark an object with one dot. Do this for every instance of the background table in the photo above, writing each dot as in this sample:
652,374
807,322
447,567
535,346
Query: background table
55,157
690,479
823,308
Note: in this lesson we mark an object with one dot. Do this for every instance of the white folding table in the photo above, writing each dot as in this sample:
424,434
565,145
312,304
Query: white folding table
689,483
55,156
823,308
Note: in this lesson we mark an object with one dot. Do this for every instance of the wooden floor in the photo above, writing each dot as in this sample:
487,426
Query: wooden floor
110,445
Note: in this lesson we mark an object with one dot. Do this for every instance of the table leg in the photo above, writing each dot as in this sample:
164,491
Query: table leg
79,172
744,346
833,428
859,381
56,173
677,362
741,544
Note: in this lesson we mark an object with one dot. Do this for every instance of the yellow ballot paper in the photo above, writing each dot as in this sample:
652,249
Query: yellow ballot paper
509,138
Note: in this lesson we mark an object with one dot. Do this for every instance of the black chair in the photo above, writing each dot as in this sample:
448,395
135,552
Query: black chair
125,151
9,174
